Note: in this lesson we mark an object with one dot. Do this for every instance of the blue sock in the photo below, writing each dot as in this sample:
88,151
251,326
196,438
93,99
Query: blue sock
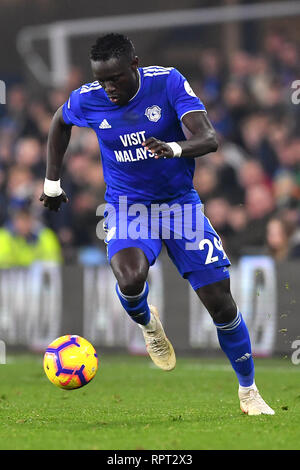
235,342
136,305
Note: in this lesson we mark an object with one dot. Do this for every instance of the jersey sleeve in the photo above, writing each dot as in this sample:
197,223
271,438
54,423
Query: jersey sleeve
71,111
181,95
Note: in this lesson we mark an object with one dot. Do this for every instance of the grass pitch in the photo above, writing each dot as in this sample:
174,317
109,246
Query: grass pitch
132,405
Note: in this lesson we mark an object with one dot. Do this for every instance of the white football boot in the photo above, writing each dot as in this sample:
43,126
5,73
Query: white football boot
252,403
158,346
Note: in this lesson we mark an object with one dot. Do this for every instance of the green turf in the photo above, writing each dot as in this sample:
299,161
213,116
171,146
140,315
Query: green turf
132,405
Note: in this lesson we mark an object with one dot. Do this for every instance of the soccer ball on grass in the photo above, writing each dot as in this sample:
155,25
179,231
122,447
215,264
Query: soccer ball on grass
70,362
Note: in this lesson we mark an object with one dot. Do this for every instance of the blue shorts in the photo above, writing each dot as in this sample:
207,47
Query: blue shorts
191,242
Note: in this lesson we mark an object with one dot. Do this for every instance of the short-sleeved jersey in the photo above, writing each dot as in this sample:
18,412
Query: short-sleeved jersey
164,96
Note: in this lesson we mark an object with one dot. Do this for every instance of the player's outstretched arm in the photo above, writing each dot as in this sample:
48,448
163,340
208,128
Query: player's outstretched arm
203,139
58,141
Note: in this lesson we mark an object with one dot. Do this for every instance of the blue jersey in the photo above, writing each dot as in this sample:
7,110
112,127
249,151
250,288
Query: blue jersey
164,96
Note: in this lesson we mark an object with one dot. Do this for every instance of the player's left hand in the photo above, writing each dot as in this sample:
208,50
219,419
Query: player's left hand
158,148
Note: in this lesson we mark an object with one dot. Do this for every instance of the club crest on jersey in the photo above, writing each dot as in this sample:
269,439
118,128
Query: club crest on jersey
153,113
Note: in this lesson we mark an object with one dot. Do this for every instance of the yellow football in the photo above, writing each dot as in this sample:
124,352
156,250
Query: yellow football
70,362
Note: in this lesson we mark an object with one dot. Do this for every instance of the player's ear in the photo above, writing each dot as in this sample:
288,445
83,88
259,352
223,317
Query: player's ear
135,62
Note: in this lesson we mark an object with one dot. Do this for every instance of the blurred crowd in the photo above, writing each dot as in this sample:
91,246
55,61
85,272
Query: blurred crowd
250,187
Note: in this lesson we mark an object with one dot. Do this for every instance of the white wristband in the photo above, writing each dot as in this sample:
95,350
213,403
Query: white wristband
52,188
177,150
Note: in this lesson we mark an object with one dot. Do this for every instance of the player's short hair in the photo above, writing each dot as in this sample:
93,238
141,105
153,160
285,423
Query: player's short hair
110,46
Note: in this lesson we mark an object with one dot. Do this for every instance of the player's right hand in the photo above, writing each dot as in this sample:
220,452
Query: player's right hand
54,203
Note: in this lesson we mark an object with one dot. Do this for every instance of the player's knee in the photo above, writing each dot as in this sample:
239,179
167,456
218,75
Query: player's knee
131,282
225,313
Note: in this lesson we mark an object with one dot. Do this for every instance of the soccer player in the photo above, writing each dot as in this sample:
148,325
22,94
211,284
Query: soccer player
140,115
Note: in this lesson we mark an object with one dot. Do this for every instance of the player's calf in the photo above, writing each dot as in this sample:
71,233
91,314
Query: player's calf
136,305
